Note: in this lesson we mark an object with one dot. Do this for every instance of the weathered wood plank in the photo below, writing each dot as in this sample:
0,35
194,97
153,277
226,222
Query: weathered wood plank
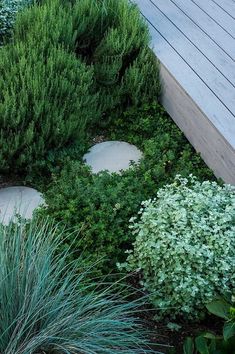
214,149
227,5
208,26
189,80
197,37
218,15
187,90
212,78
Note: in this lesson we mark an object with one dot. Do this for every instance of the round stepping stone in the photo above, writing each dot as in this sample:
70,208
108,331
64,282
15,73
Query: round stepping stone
113,156
18,200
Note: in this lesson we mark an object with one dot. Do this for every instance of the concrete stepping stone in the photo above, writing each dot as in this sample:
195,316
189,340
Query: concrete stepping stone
113,156
18,200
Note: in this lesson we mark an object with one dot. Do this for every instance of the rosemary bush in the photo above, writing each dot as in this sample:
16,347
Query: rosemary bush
71,64
114,38
47,307
185,246
47,96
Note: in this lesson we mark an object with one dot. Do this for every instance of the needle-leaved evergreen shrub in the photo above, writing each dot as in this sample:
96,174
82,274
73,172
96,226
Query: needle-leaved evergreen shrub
47,306
114,38
46,94
185,246
70,63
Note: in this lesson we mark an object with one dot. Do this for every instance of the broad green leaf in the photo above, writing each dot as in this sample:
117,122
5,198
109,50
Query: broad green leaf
219,308
211,336
201,345
188,346
229,330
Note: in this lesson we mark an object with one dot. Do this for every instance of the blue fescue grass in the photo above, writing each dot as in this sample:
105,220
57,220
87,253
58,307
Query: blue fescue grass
46,307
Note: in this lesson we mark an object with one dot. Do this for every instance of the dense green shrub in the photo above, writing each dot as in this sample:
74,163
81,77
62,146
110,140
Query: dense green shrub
69,62
46,93
101,205
185,246
114,38
8,11
47,307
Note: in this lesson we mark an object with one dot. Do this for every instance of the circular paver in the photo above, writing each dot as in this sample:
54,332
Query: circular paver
18,200
113,156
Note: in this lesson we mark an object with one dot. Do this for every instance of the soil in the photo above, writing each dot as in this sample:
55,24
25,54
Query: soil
170,341
10,180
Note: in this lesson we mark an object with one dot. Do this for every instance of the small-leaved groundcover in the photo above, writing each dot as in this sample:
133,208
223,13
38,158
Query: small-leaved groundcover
185,246
100,205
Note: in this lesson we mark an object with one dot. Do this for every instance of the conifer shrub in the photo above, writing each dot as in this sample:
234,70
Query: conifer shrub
185,246
46,94
114,38
71,65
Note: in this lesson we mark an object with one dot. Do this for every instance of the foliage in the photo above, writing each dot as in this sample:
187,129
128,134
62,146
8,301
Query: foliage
209,343
103,204
47,96
47,307
8,11
114,38
71,64
185,245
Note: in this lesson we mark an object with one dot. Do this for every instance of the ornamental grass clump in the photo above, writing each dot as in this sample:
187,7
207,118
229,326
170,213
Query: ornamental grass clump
47,306
185,246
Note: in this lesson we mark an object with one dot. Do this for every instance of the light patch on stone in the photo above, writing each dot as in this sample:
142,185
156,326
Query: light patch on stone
18,200
113,156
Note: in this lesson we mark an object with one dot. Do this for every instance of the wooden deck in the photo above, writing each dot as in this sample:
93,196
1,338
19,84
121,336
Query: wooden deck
194,41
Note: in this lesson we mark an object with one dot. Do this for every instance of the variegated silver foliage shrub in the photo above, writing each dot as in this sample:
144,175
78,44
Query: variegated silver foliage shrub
8,11
185,246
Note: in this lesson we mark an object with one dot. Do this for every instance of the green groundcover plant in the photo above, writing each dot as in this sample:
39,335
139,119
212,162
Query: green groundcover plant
185,246
47,306
101,205
70,64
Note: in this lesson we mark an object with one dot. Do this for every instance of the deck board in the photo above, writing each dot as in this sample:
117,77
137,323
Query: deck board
227,5
200,40
198,79
209,27
212,78
221,17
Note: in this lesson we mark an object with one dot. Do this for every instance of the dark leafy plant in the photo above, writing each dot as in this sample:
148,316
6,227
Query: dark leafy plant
103,204
47,306
209,343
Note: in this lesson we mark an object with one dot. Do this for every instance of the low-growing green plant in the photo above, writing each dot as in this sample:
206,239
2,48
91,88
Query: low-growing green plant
210,343
103,204
185,246
47,306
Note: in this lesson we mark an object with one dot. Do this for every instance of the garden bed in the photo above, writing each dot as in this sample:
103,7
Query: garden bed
75,74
